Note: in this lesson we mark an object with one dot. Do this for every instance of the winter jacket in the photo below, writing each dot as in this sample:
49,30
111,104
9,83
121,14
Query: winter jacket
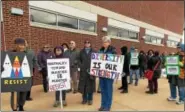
126,60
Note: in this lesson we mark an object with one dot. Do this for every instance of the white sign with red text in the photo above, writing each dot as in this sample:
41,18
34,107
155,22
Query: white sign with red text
58,74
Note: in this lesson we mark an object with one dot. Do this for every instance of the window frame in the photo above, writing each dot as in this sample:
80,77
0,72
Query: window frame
137,33
147,35
61,14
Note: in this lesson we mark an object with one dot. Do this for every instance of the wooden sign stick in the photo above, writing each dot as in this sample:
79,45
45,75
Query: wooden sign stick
14,100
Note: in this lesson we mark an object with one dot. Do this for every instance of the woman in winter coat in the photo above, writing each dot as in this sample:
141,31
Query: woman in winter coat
153,83
58,51
86,82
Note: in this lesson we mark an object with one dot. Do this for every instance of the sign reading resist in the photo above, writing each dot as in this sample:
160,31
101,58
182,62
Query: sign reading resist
58,74
106,65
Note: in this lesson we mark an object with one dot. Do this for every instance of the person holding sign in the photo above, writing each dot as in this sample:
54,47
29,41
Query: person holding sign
58,51
106,85
134,66
21,96
86,81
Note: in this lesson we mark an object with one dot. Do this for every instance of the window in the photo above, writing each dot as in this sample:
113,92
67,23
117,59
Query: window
54,18
172,43
152,39
119,32
67,22
87,26
43,17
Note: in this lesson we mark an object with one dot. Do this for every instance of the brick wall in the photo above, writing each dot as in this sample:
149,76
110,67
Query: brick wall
18,26
165,14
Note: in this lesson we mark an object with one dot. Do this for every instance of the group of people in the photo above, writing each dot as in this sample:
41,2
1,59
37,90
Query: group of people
85,83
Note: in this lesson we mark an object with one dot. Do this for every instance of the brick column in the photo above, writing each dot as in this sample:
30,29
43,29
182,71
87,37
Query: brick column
141,39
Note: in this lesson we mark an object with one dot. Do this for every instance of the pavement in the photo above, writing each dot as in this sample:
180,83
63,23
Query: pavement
135,100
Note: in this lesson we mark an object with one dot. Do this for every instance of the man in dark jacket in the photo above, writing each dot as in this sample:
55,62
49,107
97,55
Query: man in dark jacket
73,55
124,86
86,82
143,62
44,54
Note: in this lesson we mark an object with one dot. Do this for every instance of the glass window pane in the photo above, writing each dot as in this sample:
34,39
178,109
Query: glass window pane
87,26
67,22
112,31
153,40
168,43
147,38
42,17
123,33
133,35
159,41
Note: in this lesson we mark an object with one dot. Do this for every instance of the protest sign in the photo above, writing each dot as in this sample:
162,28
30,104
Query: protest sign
58,74
17,70
134,55
172,70
106,65
172,65
172,60
134,61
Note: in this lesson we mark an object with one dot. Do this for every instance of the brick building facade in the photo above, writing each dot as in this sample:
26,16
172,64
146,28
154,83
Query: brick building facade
166,18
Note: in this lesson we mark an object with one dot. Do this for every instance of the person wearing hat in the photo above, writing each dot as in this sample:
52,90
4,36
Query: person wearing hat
21,47
87,82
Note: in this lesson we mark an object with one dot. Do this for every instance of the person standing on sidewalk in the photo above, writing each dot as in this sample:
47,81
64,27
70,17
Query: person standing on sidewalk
124,86
58,51
106,85
73,55
44,54
86,82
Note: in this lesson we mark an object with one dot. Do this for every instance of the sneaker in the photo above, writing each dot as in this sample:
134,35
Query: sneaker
56,104
90,102
84,102
64,103
98,91
75,91
29,99
180,102
136,84
100,109
124,91
171,99
120,88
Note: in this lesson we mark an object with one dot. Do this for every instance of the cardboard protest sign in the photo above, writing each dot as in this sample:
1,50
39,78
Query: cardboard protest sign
134,58
58,74
17,71
106,65
134,61
172,70
172,60
172,65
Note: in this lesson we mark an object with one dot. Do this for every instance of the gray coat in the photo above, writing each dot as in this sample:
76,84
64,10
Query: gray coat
73,56
86,82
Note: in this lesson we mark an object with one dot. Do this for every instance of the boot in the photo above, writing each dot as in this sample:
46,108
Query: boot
90,102
21,108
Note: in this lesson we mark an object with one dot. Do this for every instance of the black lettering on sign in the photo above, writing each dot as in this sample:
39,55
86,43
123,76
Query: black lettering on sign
59,76
114,67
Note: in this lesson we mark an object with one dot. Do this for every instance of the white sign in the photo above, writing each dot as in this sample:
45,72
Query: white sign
134,61
58,74
106,65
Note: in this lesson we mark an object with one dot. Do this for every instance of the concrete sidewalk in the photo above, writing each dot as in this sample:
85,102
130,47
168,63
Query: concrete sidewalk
135,100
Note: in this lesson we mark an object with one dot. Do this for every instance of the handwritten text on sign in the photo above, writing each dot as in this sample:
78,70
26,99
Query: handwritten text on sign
58,74
106,65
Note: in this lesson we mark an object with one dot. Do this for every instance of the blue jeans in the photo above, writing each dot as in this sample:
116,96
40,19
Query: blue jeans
136,72
87,96
181,93
173,91
106,86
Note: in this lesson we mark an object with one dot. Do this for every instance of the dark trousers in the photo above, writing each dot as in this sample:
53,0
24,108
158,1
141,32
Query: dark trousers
124,83
153,85
87,96
45,80
21,99
106,86
57,95
142,71
29,92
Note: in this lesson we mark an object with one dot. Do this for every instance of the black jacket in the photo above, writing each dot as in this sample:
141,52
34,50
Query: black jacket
126,60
